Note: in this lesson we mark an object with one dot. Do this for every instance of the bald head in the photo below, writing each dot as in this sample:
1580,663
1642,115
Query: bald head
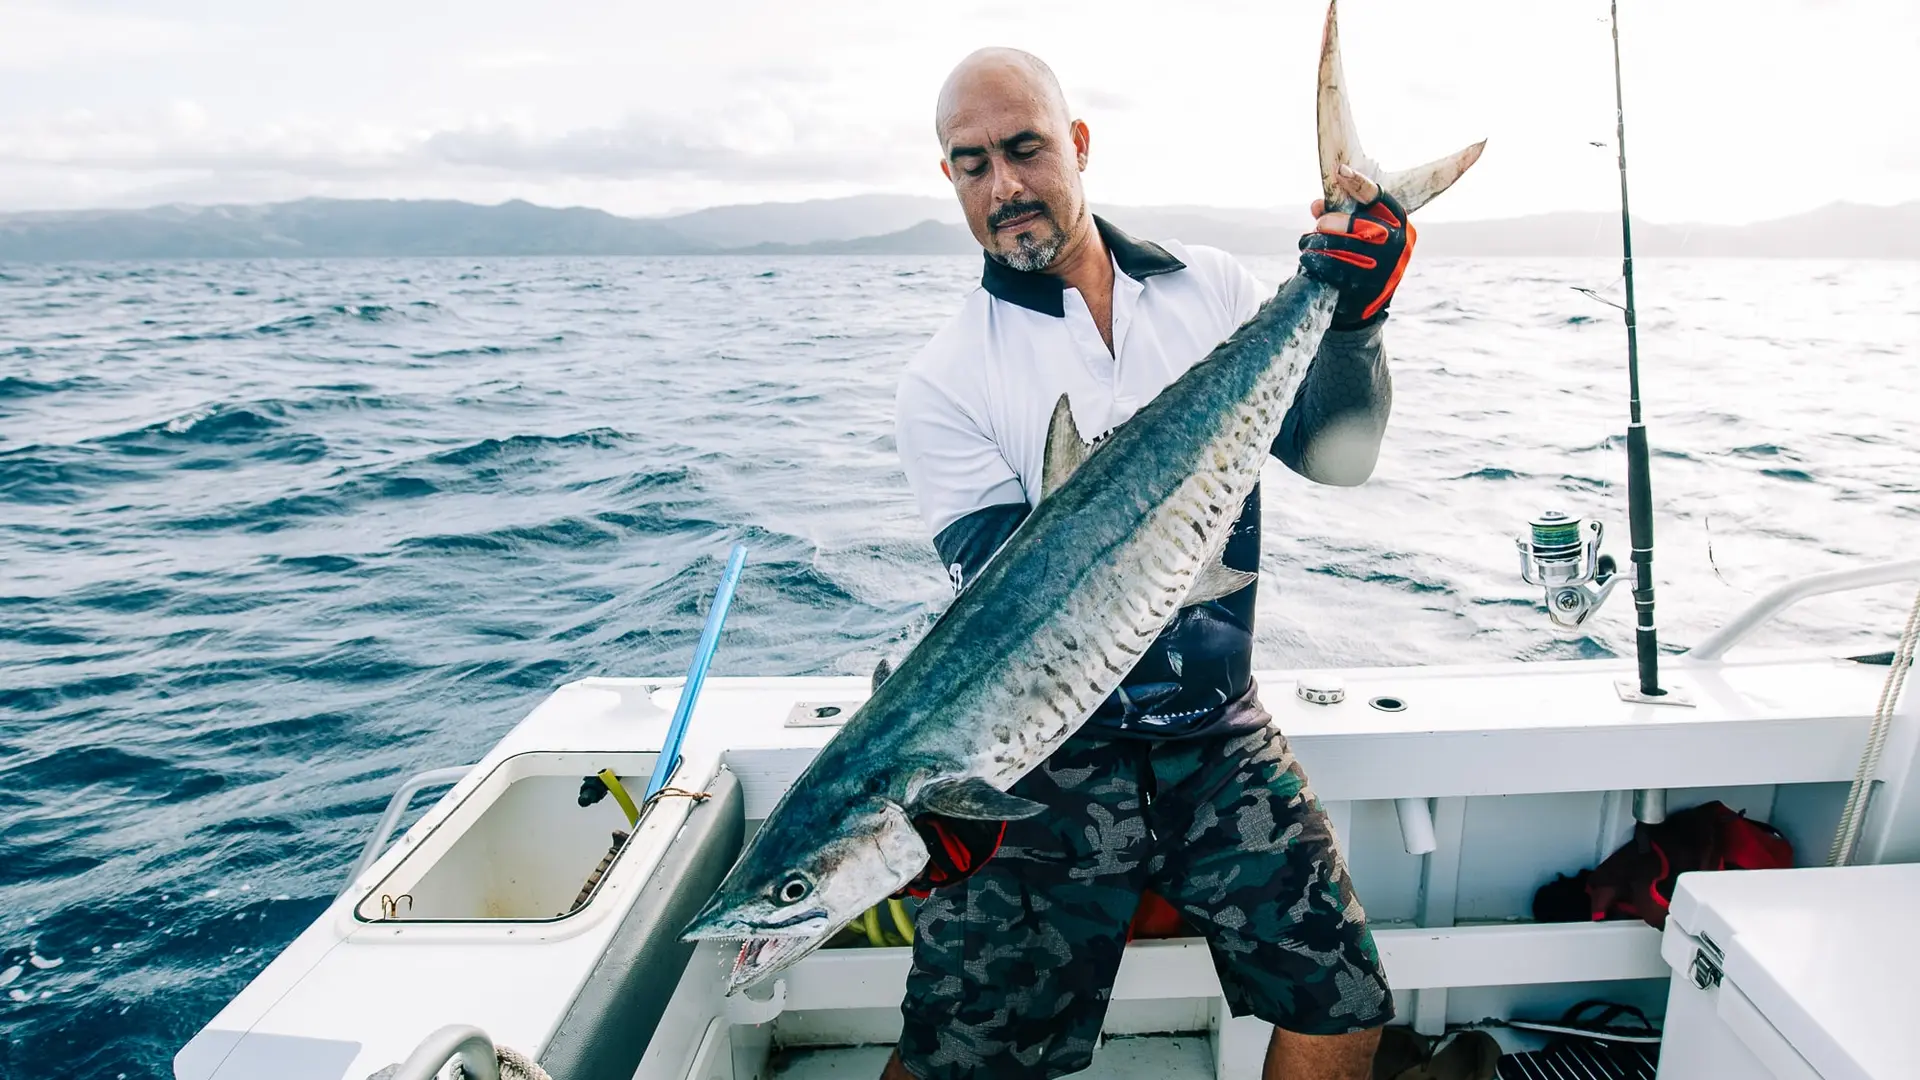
995,76
1014,155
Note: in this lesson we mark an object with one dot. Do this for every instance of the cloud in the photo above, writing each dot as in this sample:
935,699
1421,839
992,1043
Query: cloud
1093,97
42,37
649,146
696,104
182,147
513,60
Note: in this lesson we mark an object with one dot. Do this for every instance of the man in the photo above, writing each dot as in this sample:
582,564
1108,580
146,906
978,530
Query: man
1179,784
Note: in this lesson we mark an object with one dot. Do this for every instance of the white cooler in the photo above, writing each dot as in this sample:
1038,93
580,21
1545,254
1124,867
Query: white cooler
1796,974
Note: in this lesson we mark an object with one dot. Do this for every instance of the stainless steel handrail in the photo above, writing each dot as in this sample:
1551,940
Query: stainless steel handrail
463,1041
397,806
1773,603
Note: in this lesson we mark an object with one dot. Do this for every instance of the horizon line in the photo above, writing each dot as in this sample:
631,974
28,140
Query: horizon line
679,213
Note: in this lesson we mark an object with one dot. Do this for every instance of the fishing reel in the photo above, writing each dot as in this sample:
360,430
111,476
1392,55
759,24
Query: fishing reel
1562,555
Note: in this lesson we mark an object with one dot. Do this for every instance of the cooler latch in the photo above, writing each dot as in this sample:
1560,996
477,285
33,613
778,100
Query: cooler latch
1708,959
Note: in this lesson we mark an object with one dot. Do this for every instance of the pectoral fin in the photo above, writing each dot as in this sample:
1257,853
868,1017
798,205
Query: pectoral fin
975,799
1216,581
1066,450
880,672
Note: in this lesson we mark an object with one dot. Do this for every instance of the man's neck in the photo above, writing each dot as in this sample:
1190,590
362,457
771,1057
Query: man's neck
1087,266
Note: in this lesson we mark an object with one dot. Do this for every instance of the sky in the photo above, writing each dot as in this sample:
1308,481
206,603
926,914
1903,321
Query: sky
1737,110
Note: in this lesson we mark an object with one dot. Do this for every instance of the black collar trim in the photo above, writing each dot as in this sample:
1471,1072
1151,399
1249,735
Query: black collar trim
1045,293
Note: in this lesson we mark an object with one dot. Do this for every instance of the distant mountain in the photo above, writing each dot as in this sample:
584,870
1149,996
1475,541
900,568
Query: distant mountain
1837,231
808,222
926,238
862,225
319,228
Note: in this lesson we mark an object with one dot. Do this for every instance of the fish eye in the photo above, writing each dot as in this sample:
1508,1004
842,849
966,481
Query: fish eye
794,889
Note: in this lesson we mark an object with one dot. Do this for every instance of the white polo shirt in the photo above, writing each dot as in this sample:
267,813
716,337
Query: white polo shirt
973,407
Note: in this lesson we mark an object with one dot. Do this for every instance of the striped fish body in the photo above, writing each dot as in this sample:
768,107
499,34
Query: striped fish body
1054,622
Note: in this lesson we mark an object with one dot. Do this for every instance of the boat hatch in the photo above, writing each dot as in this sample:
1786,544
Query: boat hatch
519,847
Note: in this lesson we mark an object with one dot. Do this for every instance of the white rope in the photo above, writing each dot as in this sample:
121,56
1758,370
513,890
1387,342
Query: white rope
1854,816
514,1065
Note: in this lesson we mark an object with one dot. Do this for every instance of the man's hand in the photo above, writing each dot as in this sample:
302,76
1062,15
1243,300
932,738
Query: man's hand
1363,254
956,848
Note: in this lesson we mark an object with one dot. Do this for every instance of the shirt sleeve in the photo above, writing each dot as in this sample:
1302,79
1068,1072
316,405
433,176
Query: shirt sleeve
1333,430
957,475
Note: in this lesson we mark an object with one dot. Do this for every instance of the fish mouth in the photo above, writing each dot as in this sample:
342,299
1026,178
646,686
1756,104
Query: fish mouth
762,957
718,922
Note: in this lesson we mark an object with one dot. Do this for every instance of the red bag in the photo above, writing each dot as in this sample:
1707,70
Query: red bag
1637,881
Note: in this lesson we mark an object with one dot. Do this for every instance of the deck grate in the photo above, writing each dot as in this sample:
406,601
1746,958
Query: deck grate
1582,1061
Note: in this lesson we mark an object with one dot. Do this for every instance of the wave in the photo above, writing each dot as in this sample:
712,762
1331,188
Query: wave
1491,472
1401,582
19,387
565,534
212,425
1762,450
55,476
489,451
475,350
339,314
1618,442
477,466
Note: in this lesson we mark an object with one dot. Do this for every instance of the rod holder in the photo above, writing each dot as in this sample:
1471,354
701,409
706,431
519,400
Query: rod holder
1650,805
1416,826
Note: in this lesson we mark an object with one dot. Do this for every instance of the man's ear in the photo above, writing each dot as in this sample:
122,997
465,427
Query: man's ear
1082,142
946,169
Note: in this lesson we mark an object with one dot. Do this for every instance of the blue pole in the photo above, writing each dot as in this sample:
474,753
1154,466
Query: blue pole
697,674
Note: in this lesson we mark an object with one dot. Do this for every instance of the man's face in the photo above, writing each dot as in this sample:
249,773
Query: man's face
1015,164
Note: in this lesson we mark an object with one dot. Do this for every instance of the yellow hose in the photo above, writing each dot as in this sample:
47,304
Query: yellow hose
870,922
620,796
901,920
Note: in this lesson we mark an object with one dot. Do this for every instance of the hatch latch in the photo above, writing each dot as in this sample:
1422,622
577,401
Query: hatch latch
1708,963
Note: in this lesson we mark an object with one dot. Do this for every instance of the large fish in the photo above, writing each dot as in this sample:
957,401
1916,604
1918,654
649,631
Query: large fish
1124,536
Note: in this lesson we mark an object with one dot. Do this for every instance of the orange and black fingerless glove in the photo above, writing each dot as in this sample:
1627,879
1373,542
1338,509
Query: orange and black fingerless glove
1365,263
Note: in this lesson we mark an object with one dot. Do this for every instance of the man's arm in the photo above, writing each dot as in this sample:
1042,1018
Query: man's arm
1332,432
969,496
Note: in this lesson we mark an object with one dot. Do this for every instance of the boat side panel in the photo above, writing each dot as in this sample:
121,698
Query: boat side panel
605,1031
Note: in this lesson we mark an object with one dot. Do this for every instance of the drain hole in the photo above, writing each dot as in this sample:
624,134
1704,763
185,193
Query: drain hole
1388,704
825,711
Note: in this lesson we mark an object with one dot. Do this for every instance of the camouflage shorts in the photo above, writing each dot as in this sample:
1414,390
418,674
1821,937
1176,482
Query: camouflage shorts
1013,967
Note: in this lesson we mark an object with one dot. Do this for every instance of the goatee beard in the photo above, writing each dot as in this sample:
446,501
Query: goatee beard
1031,256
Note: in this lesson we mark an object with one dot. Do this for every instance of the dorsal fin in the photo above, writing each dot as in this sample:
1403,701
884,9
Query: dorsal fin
1066,450
1218,580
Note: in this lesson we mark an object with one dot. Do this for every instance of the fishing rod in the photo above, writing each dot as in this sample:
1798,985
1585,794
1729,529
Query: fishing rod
1560,552
1639,471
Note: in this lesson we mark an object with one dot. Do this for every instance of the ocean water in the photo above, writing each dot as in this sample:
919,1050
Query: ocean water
274,534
